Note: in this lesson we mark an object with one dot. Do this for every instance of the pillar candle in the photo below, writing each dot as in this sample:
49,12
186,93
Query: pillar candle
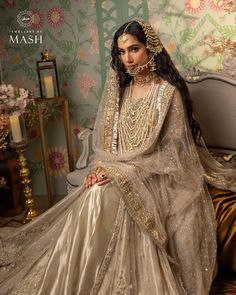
15,128
48,82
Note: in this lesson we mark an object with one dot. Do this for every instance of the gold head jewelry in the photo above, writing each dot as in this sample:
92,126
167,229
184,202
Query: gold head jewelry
124,37
153,43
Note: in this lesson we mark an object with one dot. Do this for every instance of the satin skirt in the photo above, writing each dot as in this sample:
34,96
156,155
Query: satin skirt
94,248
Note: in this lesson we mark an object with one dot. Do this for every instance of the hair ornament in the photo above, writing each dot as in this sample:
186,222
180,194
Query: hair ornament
153,43
124,37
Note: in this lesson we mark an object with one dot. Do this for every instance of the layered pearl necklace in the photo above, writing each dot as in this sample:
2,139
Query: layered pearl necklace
138,118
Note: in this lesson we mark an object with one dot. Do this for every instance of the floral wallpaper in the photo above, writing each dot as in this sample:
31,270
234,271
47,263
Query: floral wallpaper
196,33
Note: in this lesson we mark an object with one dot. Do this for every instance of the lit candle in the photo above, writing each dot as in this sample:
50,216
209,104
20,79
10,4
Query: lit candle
15,128
48,82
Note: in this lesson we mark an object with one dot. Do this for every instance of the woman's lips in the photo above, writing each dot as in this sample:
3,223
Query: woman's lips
131,67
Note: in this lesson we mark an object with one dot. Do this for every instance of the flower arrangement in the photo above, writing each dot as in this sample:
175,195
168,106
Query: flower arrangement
12,100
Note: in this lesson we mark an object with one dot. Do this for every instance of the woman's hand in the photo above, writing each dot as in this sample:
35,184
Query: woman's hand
97,176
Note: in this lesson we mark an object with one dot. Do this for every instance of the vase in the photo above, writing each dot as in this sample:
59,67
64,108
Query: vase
10,185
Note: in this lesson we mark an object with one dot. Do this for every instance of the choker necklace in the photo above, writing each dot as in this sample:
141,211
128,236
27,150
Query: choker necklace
141,80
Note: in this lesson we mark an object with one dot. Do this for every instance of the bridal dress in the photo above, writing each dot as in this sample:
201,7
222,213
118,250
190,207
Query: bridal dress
151,230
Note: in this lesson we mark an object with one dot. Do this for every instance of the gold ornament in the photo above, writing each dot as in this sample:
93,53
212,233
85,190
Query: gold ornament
142,80
152,64
124,37
153,43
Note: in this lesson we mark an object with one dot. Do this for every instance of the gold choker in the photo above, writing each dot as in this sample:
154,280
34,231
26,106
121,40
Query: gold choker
142,80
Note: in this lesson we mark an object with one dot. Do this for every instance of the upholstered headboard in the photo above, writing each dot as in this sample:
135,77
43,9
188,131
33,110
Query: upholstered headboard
214,106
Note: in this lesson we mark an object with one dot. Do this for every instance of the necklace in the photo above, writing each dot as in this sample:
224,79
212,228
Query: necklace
137,119
141,80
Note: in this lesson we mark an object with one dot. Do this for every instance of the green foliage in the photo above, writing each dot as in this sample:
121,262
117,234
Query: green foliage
166,19
65,4
187,35
228,31
186,61
31,73
82,14
66,72
24,4
30,49
66,46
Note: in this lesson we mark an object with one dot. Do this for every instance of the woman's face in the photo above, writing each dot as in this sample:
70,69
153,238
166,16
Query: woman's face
132,52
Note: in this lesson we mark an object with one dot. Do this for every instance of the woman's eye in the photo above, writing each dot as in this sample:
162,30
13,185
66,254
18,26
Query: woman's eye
134,49
120,52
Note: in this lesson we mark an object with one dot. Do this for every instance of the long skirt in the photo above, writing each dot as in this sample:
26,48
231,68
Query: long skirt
86,245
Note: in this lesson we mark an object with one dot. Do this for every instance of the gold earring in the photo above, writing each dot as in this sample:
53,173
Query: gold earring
152,64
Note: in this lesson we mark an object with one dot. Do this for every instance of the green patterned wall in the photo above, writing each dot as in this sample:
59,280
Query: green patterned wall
196,33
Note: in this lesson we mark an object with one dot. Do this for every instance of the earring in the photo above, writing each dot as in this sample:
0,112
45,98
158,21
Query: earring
152,64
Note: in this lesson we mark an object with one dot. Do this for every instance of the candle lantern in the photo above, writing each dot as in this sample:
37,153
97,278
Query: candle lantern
48,78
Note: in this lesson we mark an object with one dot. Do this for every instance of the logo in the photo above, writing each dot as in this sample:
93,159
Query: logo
26,35
25,18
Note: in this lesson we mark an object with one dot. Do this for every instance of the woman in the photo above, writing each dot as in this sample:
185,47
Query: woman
144,223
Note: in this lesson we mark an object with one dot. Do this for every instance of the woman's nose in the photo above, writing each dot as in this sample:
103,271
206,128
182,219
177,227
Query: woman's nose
128,58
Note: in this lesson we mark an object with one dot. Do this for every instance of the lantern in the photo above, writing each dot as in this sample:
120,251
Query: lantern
48,78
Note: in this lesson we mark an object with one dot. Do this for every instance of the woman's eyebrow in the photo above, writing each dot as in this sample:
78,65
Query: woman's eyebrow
129,46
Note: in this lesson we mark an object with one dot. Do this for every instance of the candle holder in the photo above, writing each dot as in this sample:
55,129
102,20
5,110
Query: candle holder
48,77
18,141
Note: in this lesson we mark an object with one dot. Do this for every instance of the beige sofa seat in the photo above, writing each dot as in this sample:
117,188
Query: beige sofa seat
214,106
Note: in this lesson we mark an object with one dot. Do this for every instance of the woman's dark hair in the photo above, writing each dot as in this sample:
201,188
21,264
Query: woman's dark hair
165,69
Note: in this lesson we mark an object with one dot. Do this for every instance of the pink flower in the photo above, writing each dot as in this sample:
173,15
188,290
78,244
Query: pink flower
76,131
194,6
94,39
57,159
81,54
85,83
55,17
10,3
219,5
37,19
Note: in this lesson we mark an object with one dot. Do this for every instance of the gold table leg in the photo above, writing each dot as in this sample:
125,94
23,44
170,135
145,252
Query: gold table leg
30,210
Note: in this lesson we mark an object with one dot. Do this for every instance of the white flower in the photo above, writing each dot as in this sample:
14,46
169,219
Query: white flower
13,99
23,93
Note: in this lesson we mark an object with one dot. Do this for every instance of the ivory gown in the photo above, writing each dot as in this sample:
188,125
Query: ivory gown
150,231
